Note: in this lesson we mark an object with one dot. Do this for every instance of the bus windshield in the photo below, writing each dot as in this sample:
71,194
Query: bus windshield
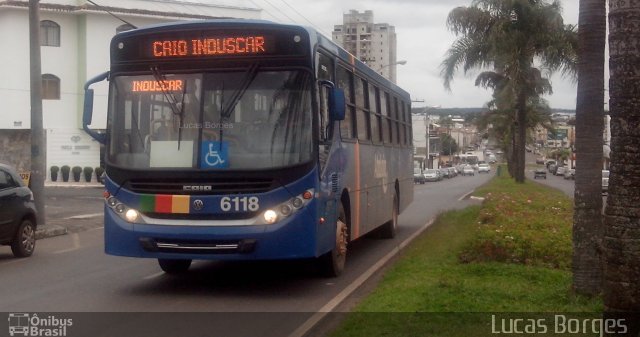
230,120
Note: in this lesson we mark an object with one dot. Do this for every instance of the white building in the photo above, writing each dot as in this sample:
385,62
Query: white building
75,37
372,43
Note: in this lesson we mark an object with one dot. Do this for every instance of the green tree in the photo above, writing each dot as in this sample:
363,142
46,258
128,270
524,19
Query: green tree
622,217
587,218
508,36
502,116
449,145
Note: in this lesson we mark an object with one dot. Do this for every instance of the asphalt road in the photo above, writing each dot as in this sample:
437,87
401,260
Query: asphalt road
567,186
72,276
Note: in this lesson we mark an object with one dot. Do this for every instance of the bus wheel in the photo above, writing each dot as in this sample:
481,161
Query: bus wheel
332,263
389,229
174,266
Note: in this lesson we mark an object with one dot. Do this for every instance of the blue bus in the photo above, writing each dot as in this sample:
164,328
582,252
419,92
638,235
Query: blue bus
248,140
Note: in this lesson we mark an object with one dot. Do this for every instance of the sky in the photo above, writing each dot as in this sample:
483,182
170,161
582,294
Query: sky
422,40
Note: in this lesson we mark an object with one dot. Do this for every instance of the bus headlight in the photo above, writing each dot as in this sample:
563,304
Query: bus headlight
122,210
131,215
288,207
270,216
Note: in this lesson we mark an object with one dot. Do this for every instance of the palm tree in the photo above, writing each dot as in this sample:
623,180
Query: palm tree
622,217
502,116
508,36
587,219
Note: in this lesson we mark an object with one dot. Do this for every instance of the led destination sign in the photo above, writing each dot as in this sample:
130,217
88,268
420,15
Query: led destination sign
209,47
156,86
207,43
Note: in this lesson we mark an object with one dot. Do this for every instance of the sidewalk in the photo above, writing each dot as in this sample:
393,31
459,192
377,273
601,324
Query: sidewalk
57,224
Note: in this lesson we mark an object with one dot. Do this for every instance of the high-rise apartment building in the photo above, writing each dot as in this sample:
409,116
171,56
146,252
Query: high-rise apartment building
372,43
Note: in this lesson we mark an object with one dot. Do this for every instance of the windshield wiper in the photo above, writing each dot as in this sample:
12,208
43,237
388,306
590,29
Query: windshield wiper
246,82
176,108
235,98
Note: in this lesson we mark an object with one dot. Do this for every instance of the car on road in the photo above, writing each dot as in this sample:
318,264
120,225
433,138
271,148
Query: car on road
549,162
444,172
432,175
418,176
539,173
539,161
559,171
452,172
605,181
468,171
484,168
570,174
17,213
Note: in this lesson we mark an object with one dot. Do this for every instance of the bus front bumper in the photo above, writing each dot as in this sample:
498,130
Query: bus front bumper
289,238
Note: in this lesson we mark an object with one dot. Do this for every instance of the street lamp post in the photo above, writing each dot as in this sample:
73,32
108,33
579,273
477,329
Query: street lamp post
388,76
401,62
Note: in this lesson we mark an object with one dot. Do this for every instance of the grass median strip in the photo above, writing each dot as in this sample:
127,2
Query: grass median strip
510,255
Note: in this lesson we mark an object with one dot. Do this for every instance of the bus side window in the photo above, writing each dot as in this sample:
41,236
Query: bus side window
324,72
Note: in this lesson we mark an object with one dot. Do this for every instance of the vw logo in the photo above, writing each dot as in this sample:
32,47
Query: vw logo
198,204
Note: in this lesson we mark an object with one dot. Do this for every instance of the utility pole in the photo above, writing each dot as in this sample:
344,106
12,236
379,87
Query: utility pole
427,121
37,132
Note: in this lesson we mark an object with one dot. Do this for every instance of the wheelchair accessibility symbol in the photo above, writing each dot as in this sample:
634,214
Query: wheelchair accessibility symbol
214,154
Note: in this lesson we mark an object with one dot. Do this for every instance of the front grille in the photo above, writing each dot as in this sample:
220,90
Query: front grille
218,186
202,216
198,246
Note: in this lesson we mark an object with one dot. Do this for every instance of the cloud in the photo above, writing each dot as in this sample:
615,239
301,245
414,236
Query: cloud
423,40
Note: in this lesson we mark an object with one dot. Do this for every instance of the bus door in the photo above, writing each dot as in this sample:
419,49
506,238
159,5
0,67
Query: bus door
328,166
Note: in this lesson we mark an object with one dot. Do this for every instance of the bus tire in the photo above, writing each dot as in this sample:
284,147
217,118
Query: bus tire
332,263
389,229
170,266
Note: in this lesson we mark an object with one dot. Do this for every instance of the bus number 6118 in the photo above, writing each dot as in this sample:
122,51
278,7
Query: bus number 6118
239,204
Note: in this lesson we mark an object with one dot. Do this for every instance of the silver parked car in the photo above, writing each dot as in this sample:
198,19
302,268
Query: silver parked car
432,175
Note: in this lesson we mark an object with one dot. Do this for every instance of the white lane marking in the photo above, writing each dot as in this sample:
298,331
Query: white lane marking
466,195
95,229
333,303
75,238
153,276
84,216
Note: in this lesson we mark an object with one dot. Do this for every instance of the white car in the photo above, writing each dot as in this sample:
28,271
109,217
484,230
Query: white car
468,171
484,168
432,175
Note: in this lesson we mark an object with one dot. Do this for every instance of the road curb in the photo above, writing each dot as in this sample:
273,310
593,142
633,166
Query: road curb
315,319
73,185
47,231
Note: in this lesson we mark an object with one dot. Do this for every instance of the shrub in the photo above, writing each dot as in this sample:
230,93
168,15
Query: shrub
99,171
65,169
526,224
76,170
88,171
54,173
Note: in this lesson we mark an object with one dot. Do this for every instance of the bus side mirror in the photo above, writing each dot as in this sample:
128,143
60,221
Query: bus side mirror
337,104
87,112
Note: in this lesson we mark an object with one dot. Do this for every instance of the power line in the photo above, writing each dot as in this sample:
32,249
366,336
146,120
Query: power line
265,10
311,23
281,12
